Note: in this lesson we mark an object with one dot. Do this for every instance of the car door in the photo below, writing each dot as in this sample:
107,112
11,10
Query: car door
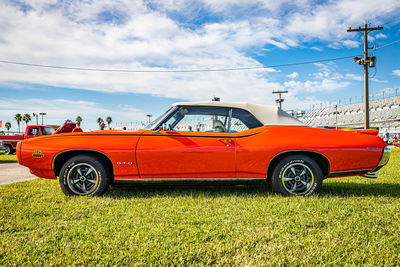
189,149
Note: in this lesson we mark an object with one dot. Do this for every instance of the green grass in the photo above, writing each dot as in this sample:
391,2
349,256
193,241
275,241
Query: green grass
8,158
354,221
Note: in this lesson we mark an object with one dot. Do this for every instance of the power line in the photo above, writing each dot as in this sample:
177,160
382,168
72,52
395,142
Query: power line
171,70
379,47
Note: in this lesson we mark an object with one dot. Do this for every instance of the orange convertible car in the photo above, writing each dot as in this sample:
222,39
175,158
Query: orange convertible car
207,140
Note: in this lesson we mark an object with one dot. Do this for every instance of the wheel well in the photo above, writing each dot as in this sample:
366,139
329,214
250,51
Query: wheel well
60,159
321,160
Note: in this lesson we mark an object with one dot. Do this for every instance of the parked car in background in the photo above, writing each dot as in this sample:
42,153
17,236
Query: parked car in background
207,141
10,141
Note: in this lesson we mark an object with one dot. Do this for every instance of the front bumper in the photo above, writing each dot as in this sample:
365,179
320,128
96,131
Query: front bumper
384,160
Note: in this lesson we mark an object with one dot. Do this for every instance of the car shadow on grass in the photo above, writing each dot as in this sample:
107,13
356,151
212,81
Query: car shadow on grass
192,189
346,189
339,189
7,161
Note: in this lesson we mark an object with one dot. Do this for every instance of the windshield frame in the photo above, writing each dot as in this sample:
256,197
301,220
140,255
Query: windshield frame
155,124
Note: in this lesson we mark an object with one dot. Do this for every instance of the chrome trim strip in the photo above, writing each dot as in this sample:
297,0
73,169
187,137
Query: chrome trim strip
164,118
178,180
371,175
351,172
230,119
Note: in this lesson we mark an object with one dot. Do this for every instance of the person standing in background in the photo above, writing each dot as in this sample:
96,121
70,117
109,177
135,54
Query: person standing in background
77,128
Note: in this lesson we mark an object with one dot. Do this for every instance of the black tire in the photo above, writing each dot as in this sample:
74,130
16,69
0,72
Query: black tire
84,176
9,150
297,175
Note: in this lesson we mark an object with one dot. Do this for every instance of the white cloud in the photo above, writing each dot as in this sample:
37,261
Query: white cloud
396,72
380,36
293,75
136,36
355,77
379,81
325,85
327,71
351,43
329,21
146,40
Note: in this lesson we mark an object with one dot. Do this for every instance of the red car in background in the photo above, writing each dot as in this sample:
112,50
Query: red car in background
9,142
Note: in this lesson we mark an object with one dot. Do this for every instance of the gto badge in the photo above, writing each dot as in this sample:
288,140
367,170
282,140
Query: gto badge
37,154
124,163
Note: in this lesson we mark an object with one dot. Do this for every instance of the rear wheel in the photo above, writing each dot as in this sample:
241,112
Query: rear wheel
84,176
297,175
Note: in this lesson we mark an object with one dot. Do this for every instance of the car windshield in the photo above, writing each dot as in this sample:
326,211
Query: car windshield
47,130
157,120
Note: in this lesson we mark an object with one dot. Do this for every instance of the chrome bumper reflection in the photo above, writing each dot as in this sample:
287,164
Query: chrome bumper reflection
384,160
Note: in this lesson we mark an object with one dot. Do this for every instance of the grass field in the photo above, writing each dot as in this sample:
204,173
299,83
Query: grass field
354,221
8,158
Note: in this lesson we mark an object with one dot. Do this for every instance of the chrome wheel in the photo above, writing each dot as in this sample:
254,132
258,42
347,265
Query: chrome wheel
297,178
82,179
8,150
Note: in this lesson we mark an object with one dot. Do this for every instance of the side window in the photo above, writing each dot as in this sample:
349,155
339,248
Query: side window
34,131
242,120
199,119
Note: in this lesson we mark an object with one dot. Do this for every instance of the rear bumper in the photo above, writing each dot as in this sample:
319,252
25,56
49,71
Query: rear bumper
384,160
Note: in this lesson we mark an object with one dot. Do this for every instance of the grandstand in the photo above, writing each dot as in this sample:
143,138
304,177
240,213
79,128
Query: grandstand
384,113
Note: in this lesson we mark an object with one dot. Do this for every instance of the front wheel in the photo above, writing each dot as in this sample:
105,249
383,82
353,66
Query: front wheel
84,176
9,150
297,175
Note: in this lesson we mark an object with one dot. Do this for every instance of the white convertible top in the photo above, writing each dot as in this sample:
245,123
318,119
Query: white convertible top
267,115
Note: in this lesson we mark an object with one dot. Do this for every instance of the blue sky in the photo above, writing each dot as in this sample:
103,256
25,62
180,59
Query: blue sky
185,35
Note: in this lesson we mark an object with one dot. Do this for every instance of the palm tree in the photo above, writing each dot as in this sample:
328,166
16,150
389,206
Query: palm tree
109,121
8,126
26,118
18,118
99,121
78,119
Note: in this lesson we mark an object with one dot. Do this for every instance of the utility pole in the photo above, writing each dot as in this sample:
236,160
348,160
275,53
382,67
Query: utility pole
367,61
280,99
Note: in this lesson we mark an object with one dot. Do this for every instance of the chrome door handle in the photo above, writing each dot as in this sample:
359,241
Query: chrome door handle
224,139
